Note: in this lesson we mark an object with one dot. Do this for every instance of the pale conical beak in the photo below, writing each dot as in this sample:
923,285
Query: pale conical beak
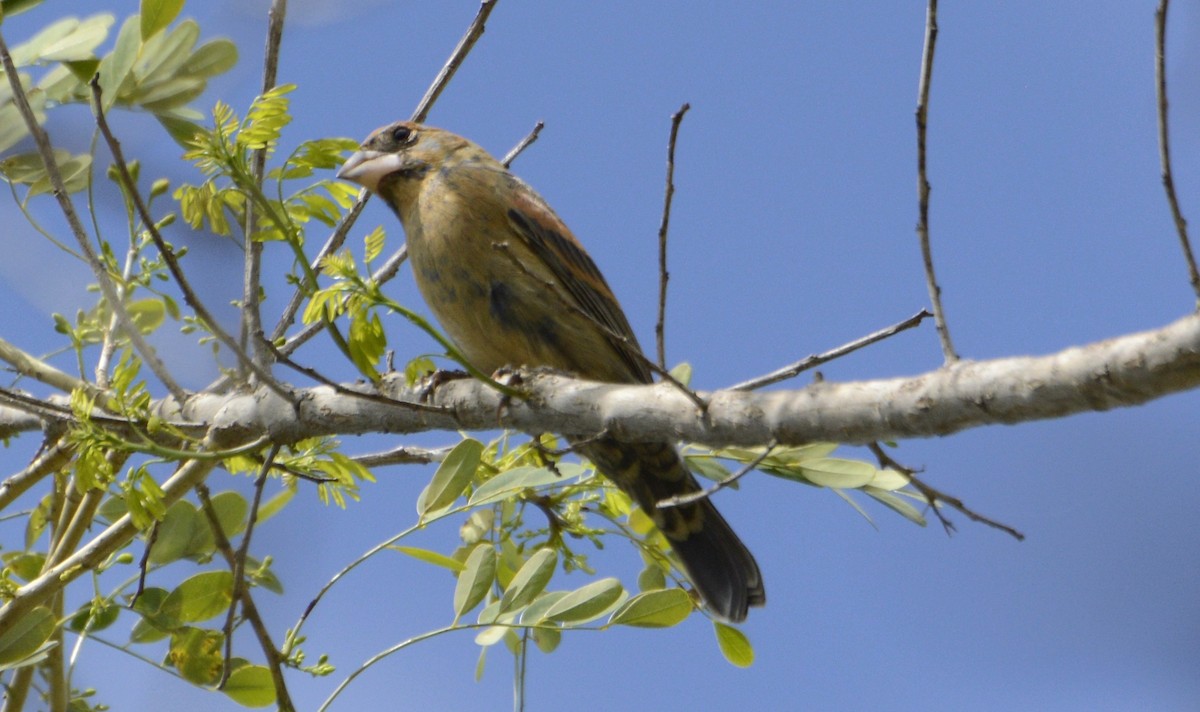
367,168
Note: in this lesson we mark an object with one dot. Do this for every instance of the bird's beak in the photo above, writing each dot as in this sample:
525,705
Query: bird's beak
367,168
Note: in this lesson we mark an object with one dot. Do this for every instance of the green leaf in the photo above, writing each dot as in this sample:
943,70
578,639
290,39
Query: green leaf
452,477
163,55
734,644
26,635
80,42
148,314
897,504
430,557
200,597
210,59
196,654
266,118
8,8
654,609
855,505
888,480
530,580
170,94
512,481
587,603
178,533
251,686
275,504
94,616
682,373
535,612
116,66
157,14
475,579
836,472
231,508
374,243
546,639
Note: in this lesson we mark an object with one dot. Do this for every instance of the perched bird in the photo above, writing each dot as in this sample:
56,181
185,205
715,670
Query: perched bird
512,286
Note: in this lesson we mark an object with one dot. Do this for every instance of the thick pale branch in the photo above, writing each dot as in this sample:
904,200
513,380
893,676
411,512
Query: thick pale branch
1121,372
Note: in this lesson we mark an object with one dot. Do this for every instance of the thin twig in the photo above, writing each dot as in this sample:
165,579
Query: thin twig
144,565
1164,144
109,345
681,499
935,496
663,275
103,278
168,255
380,276
935,291
524,144
334,243
365,395
474,32
792,370
275,660
251,325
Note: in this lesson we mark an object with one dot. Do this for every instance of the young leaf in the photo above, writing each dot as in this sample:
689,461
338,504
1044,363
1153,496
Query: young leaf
430,557
26,635
200,597
452,477
475,579
734,644
157,14
530,580
251,686
836,472
117,65
587,603
511,481
654,609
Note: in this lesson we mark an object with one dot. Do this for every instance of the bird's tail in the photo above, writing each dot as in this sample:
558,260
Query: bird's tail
720,566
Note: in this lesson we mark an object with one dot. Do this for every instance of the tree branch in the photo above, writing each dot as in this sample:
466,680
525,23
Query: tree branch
663,275
935,291
99,271
1164,144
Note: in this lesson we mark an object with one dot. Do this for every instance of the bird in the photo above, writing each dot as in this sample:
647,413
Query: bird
512,287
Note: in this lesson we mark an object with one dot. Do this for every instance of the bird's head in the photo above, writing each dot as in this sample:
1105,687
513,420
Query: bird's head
403,153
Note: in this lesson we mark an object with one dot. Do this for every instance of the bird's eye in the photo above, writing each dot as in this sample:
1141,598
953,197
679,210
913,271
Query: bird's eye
403,134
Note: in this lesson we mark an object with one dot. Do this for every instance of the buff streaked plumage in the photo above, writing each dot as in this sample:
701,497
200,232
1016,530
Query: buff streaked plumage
511,286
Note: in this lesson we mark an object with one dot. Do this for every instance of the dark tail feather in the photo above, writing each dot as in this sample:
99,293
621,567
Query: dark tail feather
720,566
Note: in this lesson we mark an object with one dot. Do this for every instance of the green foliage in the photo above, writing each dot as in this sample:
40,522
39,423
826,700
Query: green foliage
527,521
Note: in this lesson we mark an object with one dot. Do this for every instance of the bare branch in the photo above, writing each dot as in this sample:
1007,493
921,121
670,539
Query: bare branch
935,497
663,275
524,144
251,324
1164,144
792,370
474,32
935,291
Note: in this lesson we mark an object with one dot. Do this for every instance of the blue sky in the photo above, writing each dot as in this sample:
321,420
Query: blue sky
791,233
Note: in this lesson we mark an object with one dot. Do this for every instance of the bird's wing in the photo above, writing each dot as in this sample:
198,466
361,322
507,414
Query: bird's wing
549,239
